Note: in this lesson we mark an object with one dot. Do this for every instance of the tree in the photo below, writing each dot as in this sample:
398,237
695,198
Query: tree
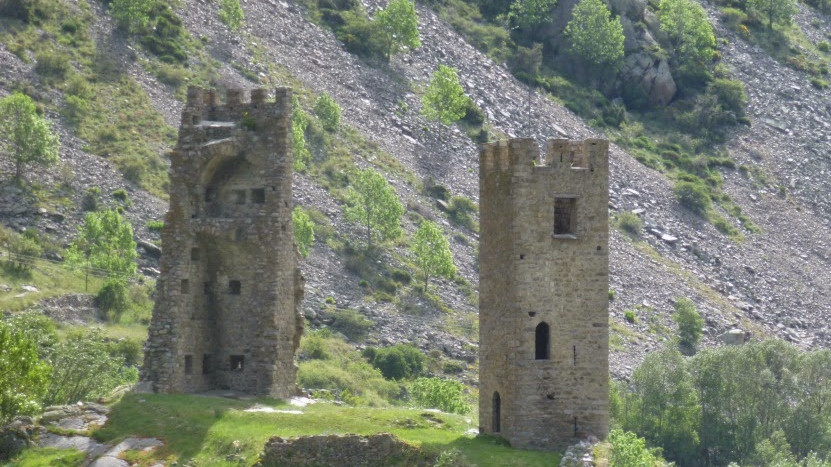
526,14
132,15
230,13
23,377
595,36
398,26
776,11
690,324
328,111
432,252
26,136
445,99
304,231
105,242
689,29
374,205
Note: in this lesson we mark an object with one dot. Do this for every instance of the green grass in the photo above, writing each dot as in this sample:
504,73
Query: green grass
206,430
49,457
51,281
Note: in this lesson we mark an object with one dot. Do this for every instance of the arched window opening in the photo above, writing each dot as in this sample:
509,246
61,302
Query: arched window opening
542,342
497,413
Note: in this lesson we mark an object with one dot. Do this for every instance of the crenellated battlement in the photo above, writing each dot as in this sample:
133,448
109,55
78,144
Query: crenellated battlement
208,105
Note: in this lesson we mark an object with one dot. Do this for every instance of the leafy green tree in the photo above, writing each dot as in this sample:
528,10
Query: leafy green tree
25,136
105,242
299,123
595,36
374,204
85,366
23,376
776,11
398,23
304,230
689,29
445,99
132,15
446,395
328,111
432,252
398,26
527,14
690,324
230,13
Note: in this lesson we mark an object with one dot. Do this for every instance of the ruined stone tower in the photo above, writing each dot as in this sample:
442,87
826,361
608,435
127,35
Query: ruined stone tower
544,284
227,306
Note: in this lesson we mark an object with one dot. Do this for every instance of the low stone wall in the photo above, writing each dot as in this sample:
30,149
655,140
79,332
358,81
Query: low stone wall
342,450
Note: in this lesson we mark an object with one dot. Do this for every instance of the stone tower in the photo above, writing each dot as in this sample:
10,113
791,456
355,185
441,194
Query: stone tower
227,310
544,285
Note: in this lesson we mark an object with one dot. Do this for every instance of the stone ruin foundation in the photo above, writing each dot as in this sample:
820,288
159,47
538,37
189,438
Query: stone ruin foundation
544,284
227,312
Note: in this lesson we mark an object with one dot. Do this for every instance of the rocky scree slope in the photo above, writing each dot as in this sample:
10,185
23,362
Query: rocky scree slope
774,283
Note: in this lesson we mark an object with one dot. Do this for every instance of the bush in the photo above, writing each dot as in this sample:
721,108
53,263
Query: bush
730,94
304,231
446,395
630,222
24,376
155,226
92,199
445,99
52,64
628,450
230,13
694,196
629,316
351,324
461,211
690,324
328,111
112,299
84,367
398,361
824,47
360,35
121,196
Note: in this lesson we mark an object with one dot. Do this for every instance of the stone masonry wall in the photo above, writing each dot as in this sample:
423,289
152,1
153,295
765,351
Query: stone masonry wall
227,311
544,292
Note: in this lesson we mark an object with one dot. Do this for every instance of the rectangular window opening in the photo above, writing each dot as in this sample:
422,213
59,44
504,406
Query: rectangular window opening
234,287
564,213
237,362
206,364
185,287
194,254
188,364
258,195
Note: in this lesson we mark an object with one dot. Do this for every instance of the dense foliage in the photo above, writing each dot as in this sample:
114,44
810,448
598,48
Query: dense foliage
25,136
595,36
446,395
445,99
690,325
397,26
230,13
328,111
730,404
398,361
432,252
304,232
105,242
23,377
374,205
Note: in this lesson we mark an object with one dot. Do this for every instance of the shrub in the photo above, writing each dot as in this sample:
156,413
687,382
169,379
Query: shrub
628,450
398,361
230,13
445,99
328,111
461,211
52,64
819,83
629,316
823,46
132,15
730,95
121,196
92,199
360,36
694,196
690,324
25,376
112,299
630,222
351,324
734,17
155,226
446,395
304,231
84,368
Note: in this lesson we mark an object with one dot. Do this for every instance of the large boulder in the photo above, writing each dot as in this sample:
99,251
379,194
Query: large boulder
648,78
15,436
